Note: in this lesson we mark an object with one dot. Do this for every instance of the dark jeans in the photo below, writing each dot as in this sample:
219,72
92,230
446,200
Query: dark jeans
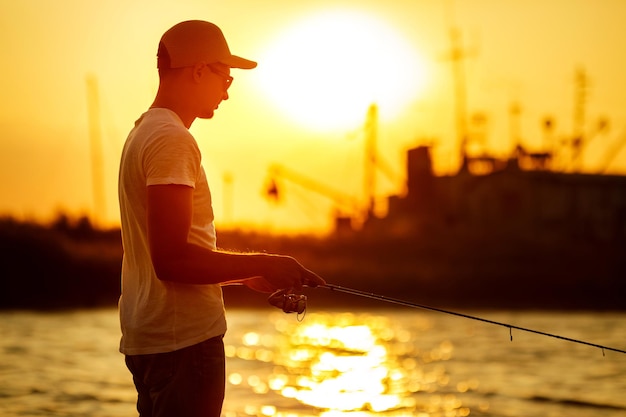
189,382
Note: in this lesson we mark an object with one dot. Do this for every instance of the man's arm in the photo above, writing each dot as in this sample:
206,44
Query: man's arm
174,259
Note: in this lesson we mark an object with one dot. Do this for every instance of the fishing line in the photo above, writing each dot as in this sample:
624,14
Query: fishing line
467,316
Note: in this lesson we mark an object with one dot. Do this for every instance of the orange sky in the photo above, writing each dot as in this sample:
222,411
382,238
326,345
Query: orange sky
523,51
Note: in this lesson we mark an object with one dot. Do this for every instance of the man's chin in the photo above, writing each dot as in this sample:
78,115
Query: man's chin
207,115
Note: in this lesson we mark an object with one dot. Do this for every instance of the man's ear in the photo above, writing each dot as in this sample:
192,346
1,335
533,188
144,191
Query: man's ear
198,70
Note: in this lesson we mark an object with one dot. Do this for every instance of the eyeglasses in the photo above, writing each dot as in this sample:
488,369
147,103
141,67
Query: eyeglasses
228,80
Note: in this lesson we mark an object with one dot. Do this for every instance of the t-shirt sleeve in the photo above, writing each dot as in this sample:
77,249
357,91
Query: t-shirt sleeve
172,160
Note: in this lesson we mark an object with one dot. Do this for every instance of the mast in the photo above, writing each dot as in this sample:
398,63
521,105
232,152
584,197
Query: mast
95,137
371,133
457,55
580,100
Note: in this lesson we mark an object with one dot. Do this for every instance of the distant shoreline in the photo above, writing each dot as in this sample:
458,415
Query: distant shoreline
69,266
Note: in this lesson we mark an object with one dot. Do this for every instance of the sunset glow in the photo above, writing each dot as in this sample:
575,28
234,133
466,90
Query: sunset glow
325,70
321,65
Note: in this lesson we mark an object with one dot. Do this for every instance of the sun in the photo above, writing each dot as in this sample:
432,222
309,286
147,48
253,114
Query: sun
325,71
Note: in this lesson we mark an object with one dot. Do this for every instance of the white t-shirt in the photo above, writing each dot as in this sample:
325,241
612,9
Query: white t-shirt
161,316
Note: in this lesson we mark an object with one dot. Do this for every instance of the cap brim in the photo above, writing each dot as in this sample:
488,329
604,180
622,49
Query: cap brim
234,61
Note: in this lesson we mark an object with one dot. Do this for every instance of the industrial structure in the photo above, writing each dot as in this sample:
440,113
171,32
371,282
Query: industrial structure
509,200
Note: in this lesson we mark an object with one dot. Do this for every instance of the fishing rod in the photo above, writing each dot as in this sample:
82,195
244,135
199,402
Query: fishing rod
365,294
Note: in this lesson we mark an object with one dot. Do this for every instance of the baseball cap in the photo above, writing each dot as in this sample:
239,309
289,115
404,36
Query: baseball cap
189,42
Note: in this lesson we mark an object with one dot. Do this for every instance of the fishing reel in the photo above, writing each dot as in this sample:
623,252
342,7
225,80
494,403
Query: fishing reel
288,302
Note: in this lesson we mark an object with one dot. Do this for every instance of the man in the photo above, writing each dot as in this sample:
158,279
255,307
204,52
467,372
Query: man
171,308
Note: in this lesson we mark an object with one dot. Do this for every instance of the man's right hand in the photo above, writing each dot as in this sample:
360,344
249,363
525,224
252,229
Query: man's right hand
284,272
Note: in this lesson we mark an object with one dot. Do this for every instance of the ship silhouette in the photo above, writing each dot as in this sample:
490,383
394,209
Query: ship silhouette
501,232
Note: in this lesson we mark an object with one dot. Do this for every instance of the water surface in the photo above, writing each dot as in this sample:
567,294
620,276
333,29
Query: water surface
397,362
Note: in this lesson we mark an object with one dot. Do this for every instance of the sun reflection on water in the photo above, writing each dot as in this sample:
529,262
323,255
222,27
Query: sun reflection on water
350,365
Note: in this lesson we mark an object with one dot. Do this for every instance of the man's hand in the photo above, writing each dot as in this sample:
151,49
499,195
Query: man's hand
284,272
